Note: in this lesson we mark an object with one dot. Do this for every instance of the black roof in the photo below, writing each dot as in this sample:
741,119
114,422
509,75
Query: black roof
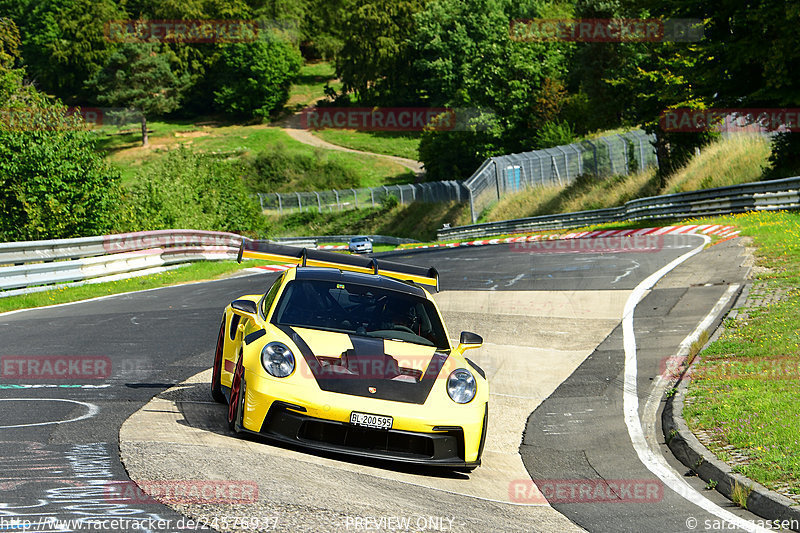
346,276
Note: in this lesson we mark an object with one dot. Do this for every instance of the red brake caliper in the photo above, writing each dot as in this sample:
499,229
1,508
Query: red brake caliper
235,387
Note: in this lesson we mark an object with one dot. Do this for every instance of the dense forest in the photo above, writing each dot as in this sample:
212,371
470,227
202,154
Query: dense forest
524,94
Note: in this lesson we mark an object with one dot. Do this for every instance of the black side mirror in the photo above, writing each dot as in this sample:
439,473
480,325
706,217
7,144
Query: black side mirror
247,307
470,340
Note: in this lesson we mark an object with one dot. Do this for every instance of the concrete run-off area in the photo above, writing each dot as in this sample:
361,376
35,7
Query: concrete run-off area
533,341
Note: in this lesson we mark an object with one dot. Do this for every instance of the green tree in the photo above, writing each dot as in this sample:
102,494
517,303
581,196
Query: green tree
596,102
375,59
10,75
53,184
744,60
748,59
253,79
664,81
466,59
64,42
137,76
323,28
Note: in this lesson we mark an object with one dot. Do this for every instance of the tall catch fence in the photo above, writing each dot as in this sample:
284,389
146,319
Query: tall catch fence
343,199
603,156
496,177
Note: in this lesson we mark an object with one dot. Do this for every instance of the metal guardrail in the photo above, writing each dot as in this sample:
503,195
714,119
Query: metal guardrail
344,199
771,195
31,263
59,249
89,259
313,241
603,156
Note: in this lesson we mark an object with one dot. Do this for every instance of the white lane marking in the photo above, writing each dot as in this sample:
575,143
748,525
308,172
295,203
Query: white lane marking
627,271
630,402
516,279
92,410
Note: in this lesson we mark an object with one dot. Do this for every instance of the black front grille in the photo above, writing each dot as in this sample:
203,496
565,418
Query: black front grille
377,440
290,425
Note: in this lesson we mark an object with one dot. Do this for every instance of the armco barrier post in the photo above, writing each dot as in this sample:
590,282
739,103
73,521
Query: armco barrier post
472,207
566,164
497,177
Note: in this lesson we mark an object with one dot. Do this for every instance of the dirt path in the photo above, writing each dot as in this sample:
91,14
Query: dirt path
306,137
291,126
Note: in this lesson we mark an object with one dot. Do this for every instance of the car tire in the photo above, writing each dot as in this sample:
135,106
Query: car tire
216,376
235,408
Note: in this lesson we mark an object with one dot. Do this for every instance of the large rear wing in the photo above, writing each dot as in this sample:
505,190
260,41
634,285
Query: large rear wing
316,258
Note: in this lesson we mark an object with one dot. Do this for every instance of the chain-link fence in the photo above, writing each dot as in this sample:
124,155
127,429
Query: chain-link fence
604,156
497,176
342,199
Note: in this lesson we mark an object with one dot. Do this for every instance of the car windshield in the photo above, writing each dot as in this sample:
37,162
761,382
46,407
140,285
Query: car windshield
363,310
358,239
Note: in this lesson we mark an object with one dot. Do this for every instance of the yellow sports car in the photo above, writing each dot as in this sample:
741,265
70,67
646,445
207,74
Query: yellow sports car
349,354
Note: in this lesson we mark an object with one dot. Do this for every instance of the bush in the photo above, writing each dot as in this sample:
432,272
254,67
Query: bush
52,182
253,79
784,161
554,133
277,169
186,189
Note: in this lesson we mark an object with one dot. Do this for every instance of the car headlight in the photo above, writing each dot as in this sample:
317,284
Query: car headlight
461,386
277,359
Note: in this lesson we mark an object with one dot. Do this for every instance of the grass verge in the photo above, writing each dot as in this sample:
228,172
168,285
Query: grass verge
239,141
400,144
201,271
414,221
309,86
745,385
728,161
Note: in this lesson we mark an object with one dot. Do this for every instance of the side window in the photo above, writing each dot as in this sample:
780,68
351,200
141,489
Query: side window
266,303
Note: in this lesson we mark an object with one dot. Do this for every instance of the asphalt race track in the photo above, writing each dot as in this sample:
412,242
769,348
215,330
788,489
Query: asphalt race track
554,355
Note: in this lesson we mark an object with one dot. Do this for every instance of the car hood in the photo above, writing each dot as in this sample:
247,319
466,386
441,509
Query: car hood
369,367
